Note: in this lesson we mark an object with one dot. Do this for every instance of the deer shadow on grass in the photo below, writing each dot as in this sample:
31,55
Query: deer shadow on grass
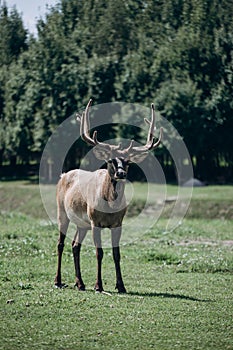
154,295
169,296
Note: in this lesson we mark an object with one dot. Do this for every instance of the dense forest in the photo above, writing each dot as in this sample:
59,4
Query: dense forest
175,53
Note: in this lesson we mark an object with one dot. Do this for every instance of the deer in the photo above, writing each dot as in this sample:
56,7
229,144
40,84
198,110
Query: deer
96,200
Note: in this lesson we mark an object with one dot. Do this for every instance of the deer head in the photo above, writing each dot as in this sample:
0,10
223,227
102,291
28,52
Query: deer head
118,159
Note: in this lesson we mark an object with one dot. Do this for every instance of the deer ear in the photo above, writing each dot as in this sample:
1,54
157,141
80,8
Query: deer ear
101,153
138,157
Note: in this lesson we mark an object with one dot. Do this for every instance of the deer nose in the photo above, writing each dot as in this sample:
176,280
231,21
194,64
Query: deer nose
121,174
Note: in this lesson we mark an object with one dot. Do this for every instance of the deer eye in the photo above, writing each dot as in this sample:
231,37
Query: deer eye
110,161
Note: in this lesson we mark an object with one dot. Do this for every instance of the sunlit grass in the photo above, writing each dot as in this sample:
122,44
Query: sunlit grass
178,282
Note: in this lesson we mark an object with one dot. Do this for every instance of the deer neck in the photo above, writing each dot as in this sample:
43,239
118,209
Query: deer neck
113,190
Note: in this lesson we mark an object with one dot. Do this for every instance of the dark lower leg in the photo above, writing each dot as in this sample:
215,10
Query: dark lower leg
116,235
60,248
119,282
78,281
99,256
76,246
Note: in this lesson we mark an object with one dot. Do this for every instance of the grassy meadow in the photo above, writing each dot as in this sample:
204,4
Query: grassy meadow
179,283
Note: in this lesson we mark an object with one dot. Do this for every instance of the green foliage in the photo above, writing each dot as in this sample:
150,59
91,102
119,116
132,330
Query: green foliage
13,41
12,35
175,53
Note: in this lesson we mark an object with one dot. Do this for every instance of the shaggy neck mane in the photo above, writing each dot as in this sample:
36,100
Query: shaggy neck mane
113,191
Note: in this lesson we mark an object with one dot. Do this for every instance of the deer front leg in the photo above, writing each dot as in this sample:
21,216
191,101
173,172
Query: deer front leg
76,246
116,235
60,248
99,256
63,223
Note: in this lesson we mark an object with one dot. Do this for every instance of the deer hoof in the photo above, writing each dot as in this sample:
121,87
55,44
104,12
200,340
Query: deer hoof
81,287
60,285
98,289
121,289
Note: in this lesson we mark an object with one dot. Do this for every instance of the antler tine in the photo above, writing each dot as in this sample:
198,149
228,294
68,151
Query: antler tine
84,127
85,130
155,145
150,144
78,117
150,136
130,147
151,123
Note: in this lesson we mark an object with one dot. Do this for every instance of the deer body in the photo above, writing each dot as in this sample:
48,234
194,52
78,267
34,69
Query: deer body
91,199
96,200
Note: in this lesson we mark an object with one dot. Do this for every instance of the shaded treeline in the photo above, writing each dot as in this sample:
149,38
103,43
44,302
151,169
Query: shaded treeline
175,53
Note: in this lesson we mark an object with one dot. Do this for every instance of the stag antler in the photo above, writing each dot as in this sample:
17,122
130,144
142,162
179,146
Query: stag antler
150,144
131,151
85,131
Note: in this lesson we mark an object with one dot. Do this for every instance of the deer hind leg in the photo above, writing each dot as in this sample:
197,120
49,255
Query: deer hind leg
116,235
99,256
63,223
76,246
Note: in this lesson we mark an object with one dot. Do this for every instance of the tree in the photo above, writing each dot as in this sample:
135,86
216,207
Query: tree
13,35
13,41
177,54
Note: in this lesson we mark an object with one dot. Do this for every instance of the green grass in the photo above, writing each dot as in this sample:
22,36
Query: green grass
179,283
